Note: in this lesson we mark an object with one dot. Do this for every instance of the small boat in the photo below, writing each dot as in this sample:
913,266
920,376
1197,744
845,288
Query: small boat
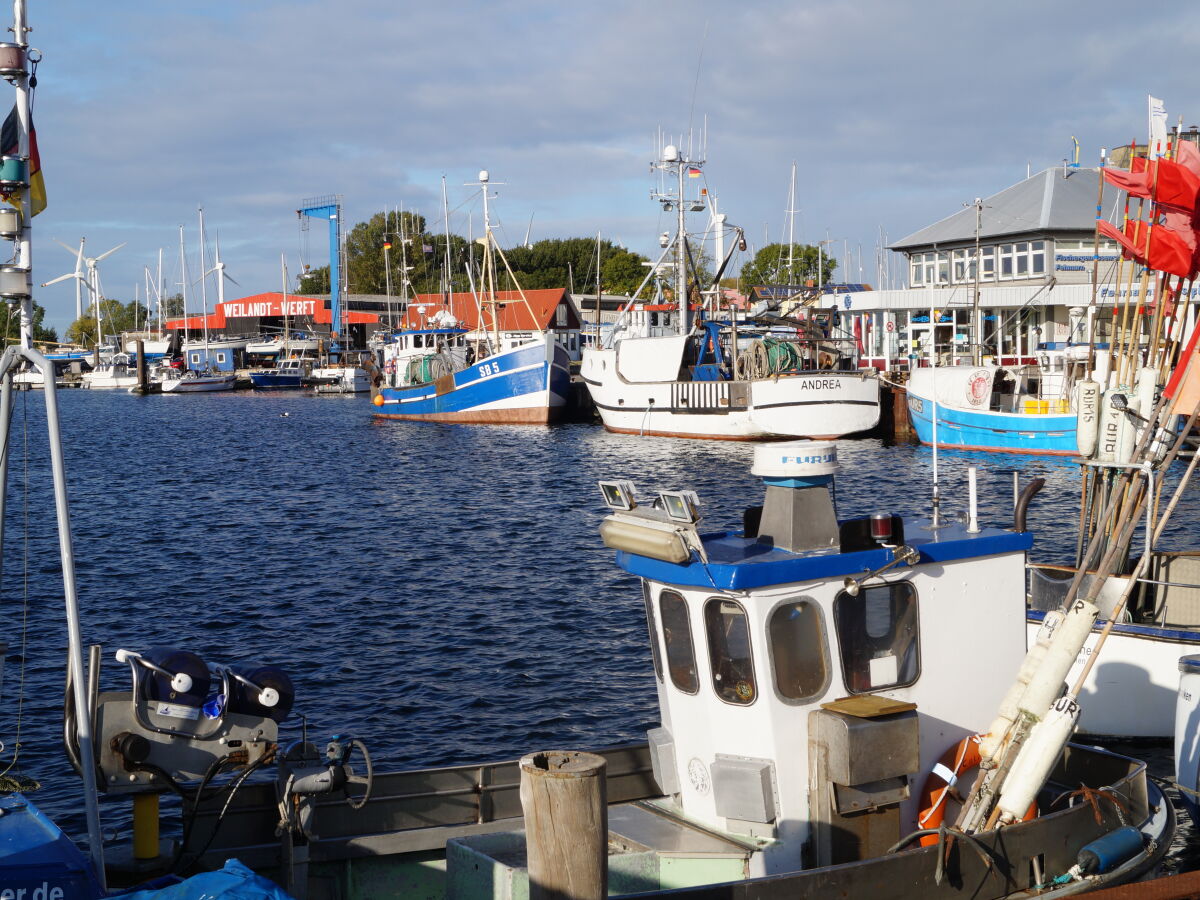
287,374
272,346
671,369
339,378
192,381
118,373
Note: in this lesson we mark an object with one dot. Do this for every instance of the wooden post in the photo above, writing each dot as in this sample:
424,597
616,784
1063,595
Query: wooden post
142,382
565,802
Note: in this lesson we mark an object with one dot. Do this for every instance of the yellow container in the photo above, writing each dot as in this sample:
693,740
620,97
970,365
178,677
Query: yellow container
1060,406
1034,407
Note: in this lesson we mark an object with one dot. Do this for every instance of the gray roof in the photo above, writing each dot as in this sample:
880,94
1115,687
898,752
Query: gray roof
1050,201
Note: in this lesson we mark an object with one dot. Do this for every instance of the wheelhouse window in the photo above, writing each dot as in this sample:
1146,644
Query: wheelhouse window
677,637
879,636
650,626
729,651
799,654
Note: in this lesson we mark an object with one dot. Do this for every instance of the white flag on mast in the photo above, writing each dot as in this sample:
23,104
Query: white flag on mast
1158,127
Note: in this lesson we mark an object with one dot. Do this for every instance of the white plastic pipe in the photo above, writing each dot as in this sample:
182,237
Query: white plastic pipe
972,507
1037,757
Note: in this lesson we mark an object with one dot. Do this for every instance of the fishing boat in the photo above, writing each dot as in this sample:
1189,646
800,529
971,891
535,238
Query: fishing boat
510,369
114,374
813,717
666,369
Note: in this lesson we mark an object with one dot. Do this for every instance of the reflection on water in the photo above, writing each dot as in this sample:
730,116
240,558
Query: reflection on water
440,591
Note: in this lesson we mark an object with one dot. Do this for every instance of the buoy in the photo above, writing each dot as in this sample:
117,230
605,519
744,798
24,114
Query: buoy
1037,757
1110,427
377,400
1087,417
1106,853
1010,705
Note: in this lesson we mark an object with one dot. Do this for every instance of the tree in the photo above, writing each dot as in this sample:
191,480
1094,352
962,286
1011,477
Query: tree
115,317
314,281
770,266
10,321
571,262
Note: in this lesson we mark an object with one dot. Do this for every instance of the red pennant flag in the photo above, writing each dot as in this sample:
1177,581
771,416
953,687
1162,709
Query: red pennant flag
1167,250
1174,185
1181,224
1112,232
1184,384
1188,156
1135,183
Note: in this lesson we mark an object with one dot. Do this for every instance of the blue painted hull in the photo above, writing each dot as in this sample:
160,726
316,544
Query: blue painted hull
270,381
518,386
37,859
959,429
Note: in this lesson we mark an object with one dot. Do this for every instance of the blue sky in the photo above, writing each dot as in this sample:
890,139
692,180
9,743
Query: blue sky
896,114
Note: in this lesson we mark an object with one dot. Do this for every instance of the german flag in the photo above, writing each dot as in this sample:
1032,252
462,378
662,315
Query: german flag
9,146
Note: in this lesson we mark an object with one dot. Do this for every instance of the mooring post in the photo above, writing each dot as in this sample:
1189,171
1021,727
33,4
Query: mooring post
142,381
565,802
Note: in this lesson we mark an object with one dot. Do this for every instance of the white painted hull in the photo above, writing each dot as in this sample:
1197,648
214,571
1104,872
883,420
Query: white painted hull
109,382
810,405
1131,691
200,384
352,380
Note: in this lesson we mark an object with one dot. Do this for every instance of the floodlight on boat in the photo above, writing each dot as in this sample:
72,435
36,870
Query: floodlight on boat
618,494
646,536
681,506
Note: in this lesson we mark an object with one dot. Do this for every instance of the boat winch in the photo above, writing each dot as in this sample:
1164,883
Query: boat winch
181,720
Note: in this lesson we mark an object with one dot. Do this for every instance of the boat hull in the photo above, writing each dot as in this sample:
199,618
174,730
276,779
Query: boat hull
1131,691
527,385
271,381
995,432
820,405
202,384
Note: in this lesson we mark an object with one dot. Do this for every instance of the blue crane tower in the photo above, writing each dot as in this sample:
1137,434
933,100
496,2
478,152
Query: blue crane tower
329,208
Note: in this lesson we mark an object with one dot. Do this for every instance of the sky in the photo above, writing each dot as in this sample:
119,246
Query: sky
895,113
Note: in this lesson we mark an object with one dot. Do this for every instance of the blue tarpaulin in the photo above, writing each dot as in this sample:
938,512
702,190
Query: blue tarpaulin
233,882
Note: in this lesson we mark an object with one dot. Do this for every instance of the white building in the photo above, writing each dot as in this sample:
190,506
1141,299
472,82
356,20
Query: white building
1035,248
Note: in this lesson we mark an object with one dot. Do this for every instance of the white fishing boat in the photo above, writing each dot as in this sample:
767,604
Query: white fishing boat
118,373
339,378
813,718
674,371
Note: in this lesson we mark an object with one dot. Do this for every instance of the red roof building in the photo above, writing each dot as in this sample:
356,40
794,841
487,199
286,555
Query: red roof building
549,308
311,310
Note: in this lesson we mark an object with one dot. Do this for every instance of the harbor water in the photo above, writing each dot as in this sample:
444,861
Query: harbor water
439,591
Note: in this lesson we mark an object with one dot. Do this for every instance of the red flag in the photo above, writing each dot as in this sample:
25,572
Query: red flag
1181,224
1167,252
1174,185
1135,183
858,334
1184,384
1112,232
1137,164
1188,156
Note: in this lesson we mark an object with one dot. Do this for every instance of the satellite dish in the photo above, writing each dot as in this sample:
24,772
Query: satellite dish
670,153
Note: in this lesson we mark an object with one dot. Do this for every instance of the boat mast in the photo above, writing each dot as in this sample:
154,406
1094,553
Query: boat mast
446,227
203,293
9,361
489,261
183,279
977,337
685,326
283,272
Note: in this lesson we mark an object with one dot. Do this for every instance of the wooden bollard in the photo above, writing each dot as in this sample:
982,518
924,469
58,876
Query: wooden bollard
565,801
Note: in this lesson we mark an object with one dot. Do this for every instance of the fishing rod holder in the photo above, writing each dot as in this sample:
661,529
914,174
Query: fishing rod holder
901,554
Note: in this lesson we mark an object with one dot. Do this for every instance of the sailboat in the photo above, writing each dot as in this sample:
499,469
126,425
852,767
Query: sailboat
667,368
198,375
288,373
507,370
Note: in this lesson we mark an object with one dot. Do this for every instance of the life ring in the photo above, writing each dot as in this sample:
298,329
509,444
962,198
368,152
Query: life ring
955,762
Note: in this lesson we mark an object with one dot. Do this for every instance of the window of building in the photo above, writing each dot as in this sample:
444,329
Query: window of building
729,651
961,258
929,263
560,316
1037,257
879,636
943,267
799,653
1022,258
987,259
677,637
916,268
1006,260
650,626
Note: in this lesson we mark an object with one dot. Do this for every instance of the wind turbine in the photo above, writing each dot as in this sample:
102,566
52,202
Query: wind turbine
91,280
222,275
77,275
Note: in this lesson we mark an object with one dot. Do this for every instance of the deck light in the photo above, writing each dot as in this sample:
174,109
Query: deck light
618,494
881,527
681,506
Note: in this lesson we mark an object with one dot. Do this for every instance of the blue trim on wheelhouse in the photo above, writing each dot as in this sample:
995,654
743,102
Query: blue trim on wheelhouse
739,563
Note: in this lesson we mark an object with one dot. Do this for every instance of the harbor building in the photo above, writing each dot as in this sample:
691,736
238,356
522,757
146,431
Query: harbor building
1031,253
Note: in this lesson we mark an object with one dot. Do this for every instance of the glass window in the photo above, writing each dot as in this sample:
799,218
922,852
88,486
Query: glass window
654,651
988,257
878,633
1022,259
677,636
1006,260
729,651
1037,257
799,659
943,261
915,270
560,316
960,266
